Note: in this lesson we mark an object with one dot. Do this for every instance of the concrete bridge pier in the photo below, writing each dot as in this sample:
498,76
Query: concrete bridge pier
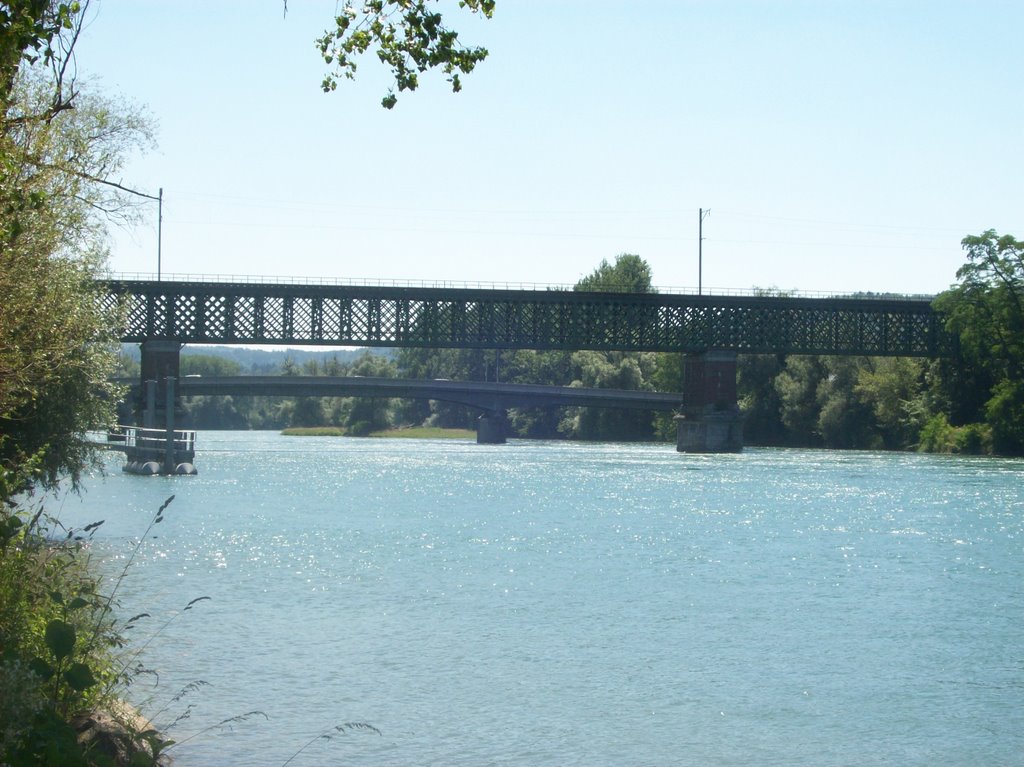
490,428
711,421
160,360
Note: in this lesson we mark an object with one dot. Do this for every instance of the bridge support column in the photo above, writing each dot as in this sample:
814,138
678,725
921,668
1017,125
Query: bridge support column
157,447
160,360
711,421
490,428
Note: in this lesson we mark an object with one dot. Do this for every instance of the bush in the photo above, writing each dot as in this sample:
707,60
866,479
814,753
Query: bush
359,429
59,664
939,436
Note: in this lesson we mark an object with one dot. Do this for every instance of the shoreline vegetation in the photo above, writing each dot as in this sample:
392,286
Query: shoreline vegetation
411,432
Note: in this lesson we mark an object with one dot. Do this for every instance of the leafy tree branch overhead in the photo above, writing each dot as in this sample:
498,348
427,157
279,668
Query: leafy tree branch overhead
43,33
408,36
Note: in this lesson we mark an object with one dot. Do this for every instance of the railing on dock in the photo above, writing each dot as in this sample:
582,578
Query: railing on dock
172,451
140,437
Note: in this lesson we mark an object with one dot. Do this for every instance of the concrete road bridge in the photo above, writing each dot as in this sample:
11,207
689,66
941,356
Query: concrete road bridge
486,396
710,330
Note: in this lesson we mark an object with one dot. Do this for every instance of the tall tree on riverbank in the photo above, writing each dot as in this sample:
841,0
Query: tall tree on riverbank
58,150
57,349
986,311
613,370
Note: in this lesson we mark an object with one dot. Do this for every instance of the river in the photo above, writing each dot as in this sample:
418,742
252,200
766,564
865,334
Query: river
551,603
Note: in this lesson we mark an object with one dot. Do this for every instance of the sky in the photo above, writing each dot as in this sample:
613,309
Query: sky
838,145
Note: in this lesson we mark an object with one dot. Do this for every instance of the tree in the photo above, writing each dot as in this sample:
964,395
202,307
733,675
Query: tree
797,390
552,368
208,365
629,274
454,364
362,415
759,398
613,370
39,32
893,389
986,311
844,419
406,35
57,349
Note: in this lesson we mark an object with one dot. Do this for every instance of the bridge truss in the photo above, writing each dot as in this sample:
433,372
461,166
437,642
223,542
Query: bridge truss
336,315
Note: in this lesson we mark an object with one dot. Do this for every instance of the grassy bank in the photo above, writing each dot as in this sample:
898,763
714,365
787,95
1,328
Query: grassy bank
425,432
313,431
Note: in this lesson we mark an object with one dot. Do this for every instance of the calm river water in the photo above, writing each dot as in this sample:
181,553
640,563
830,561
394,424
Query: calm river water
544,603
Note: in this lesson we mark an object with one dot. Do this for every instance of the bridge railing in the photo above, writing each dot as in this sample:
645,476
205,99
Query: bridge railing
245,279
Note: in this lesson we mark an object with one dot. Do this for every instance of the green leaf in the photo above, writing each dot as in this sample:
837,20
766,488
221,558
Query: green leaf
77,603
79,677
60,638
41,668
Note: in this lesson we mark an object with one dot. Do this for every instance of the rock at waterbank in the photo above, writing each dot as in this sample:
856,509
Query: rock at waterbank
119,733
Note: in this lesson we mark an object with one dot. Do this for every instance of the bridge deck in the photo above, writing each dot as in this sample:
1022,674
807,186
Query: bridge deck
489,396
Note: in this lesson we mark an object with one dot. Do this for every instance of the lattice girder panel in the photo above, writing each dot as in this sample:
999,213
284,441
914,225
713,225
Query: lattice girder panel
359,320
478,322
244,319
271,319
919,333
302,313
215,312
158,318
695,336
136,315
331,318
388,314
847,331
874,333
185,315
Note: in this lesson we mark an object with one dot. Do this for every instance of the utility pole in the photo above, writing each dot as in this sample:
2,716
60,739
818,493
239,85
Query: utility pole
159,230
700,249
159,220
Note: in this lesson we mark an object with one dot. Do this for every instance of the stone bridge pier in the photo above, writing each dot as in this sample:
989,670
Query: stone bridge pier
160,360
711,421
490,428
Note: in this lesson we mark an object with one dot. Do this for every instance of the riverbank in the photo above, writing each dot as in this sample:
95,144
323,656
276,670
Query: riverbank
62,676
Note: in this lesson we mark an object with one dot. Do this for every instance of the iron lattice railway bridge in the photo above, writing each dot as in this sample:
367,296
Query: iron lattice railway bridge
197,312
709,329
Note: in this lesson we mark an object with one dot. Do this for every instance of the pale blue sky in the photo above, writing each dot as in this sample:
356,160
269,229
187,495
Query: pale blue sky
839,145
